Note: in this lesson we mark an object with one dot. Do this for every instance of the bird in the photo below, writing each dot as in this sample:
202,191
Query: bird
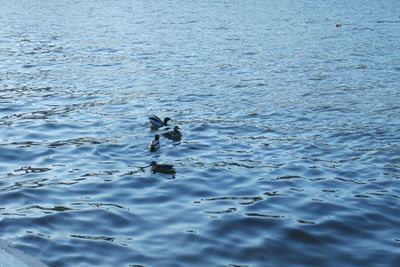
156,122
162,168
174,135
155,144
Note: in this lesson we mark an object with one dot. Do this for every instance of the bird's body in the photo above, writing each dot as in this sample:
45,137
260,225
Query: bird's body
162,168
174,135
156,122
155,144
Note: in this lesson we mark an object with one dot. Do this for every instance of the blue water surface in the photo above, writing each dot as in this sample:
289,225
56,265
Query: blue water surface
290,153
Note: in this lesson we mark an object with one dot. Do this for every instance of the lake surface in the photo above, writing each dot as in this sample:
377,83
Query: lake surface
290,153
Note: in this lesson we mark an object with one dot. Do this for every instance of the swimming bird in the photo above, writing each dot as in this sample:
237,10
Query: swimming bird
155,144
174,135
156,122
162,168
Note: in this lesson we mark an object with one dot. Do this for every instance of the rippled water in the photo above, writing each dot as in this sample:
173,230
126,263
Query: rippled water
290,153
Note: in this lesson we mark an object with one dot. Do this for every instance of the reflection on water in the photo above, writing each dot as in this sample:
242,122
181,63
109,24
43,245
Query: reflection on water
289,154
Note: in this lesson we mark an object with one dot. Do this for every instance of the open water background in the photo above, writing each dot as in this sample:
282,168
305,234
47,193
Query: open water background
290,153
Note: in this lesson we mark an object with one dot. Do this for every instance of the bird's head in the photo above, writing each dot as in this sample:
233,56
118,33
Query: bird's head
166,120
153,163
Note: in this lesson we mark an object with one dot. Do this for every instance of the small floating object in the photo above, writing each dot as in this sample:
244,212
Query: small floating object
338,25
162,168
156,122
174,135
155,144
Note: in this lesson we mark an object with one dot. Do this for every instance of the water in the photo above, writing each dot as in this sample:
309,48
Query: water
290,153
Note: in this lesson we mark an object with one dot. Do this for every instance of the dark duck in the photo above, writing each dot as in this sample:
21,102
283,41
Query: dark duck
162,168
174,135
156,122
155,144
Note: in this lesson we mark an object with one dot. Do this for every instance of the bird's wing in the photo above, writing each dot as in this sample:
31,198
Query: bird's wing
156,121
168,134
156,118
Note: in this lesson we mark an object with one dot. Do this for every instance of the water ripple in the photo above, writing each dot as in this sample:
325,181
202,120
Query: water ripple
289,155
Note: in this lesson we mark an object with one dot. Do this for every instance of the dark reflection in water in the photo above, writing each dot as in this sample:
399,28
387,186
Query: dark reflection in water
289,154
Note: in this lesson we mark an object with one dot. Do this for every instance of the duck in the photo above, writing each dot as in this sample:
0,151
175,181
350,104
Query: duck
155,144
156,122
174,135
162,168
